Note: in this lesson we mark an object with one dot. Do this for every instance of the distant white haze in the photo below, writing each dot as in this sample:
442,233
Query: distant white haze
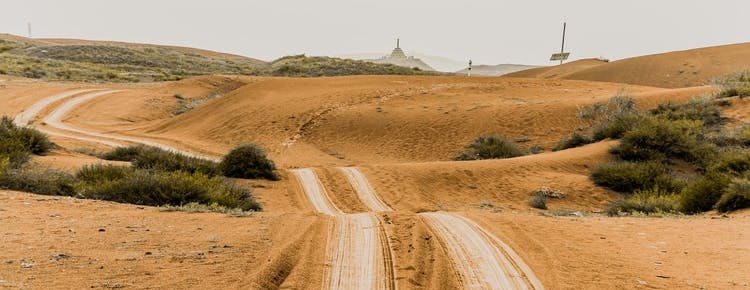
486,31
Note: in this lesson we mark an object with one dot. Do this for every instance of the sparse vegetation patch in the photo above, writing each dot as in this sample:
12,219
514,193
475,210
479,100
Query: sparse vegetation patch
675,158
491,147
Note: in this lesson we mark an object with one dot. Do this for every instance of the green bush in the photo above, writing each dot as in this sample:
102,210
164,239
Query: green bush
47,182
491,147
699,109
632,176
703,194
18,143
248,161
736,196
148,187
650,201
147,157
734,163
660,139
575,140
737,84
616,127
103,172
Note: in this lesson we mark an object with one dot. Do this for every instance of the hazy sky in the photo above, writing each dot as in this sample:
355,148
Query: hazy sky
489,32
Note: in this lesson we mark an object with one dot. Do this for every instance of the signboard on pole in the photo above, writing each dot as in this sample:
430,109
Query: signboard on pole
560,56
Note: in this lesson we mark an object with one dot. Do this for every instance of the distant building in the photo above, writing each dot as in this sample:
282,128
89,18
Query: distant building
399,58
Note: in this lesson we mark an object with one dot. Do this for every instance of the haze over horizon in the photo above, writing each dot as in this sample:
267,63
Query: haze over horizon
488,32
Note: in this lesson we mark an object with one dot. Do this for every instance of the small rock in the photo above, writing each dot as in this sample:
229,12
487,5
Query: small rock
102,230
54,215
25,264
228,246
199,255
60,257
148,253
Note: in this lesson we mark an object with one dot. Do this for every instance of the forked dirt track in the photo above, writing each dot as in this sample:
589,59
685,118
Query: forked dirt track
358,253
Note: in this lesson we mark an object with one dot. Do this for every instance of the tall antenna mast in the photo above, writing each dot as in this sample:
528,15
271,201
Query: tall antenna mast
29,26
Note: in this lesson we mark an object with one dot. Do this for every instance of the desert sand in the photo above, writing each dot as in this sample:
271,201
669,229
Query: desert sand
408,206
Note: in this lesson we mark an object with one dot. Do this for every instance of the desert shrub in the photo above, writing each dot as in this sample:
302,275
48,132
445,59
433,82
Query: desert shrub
737,84
491,147
703,194
632,176
147,157
102,172
616,127
734,163
47,182
736,196
157,188
536,149
649,201
660,139
248,161
538,201
698,109
575,140
18,143
124,153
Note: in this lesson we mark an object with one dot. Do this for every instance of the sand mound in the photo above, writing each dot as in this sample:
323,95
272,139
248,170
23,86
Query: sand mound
687,68
558,71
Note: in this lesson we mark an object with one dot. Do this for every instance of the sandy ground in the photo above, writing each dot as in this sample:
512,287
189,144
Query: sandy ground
688,68
401,132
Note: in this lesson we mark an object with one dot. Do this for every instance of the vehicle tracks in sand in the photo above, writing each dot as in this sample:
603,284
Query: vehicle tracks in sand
364,190
358,255
481,260
54,120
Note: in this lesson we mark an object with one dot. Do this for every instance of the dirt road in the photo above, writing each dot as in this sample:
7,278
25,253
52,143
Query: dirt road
476,256
25,118
358,255
315,192
364,190
54,120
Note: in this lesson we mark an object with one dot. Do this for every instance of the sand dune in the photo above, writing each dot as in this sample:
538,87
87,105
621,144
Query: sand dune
401,133
695,67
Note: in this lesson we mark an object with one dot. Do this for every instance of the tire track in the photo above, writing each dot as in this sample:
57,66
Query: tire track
357,255
25,117
481,260
315,192
54,120
364,190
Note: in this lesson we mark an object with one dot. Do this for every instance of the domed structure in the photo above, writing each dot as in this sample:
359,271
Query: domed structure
399,58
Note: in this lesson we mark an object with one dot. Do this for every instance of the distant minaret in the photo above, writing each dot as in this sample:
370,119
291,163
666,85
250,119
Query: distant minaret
397,42
29,26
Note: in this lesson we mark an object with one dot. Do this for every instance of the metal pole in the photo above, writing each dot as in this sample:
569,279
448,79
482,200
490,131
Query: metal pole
562,49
